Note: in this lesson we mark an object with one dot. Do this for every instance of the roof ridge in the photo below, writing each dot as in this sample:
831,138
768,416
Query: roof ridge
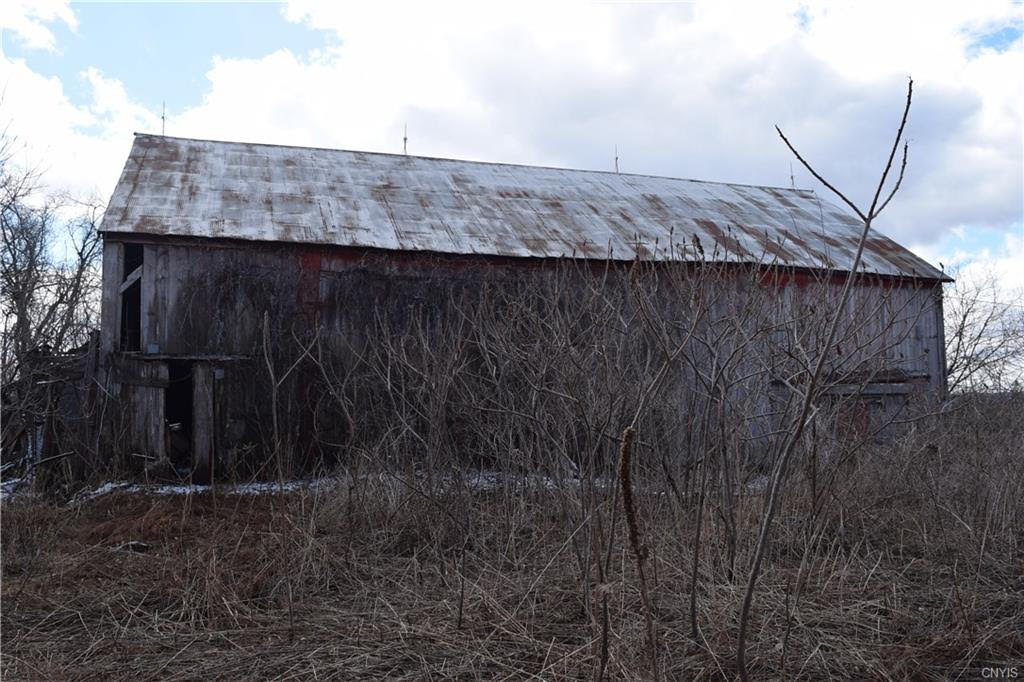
797,190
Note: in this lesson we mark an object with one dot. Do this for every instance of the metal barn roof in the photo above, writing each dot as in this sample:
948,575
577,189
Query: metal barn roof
201,188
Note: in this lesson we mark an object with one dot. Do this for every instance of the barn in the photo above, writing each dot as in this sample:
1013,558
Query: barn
202,238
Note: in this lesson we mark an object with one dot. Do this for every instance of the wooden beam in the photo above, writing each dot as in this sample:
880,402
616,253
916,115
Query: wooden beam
200,357
124,376
905,388
131,279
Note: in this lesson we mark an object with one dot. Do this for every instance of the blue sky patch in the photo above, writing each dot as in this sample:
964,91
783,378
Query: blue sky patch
803,17
162,51
973,240
1000,39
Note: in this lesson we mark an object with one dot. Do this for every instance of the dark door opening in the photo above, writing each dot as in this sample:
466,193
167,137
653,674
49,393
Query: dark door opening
178,402
131,318
131,298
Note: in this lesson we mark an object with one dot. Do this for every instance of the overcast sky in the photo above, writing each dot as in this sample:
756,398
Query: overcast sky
689,90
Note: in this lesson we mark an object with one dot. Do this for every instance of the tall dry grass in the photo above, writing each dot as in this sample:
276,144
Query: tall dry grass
910,569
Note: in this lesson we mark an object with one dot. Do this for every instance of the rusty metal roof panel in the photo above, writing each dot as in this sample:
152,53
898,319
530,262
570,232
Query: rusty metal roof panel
202,188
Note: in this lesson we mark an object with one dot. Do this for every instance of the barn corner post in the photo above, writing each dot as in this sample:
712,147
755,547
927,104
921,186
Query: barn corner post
939,362
811,389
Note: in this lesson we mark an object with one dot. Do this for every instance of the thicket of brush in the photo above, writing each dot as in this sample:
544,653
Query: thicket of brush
895,550
906,567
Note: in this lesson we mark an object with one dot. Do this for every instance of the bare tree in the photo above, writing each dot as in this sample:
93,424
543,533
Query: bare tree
984,334
49,277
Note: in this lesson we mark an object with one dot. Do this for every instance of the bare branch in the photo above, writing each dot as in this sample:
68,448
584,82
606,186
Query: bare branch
899,181
892,155
818,176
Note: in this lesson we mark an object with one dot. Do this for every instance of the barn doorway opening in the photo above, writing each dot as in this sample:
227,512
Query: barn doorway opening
131,318
178,403
131,298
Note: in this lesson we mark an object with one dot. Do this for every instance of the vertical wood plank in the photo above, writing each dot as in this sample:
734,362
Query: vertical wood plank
144,391
937,354
150,304
217,458
157,427
110,298
160,281
178,270
202,421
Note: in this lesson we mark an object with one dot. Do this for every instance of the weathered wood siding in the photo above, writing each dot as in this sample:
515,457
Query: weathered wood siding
212,300
206,303
141,386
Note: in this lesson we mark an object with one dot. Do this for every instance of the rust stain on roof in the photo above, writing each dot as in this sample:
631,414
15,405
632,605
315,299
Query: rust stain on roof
725,240
201,188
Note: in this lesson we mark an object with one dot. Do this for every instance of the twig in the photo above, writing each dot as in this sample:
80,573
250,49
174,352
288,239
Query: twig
639,551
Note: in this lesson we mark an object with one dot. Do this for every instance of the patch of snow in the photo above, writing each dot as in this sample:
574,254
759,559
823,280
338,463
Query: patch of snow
9,487
758,483
486,480
173,489
166,489
261,488
105,489
479,481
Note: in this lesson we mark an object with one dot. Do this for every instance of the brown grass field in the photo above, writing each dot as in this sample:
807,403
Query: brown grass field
913,570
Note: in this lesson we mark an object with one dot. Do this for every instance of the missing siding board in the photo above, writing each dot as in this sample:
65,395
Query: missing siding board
178,413
131,298
131,318
132,259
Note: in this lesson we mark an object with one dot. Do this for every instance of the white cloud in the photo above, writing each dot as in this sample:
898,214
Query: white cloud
80,149
690,90
26,20
1005,265
112,108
